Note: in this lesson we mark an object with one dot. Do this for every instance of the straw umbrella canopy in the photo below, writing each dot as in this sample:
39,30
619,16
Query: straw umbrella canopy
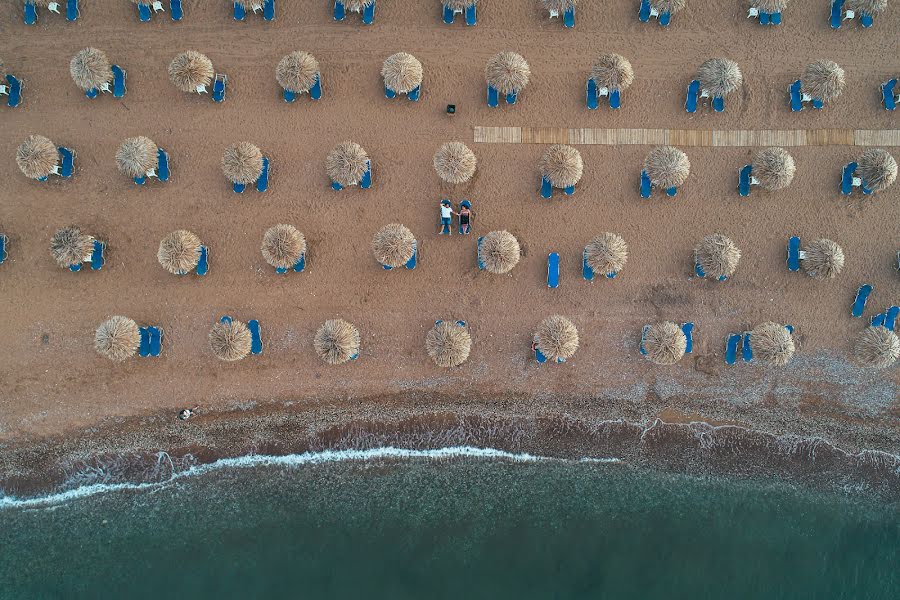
393,245
774,168
667,166
612,71
37,156
562,166
772,344
454,162
70,246
869,7
230,341
559,6
283,245
507,72
179,252
357,5
402,72
336,341
458,4
117,338
719,76
297,72
347,163
557,338
448,344
717,256
607,253
824,259
90,69
242,163
190,70
823,80
136,156
877,168
667,6
664,343
499,252
769,6
877,347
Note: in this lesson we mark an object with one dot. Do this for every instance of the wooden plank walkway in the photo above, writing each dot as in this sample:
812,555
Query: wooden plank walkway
687,137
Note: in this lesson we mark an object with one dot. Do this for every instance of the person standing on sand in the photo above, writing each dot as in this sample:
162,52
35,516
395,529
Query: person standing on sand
447,213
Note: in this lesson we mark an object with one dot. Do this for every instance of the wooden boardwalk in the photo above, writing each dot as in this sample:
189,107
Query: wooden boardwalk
688,137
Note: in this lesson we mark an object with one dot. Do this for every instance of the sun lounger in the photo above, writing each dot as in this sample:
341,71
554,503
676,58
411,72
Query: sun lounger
155,341
176,10
643,335
890,317
889,94
449,15
847,178
162,168
71,10
586,271
288,95
97,258
671,192
746,350
859,303
644,11
218,94
478,255
512,97
546,188
472,15
553,270
118,88
615,99
731,348
493,97
693,94
411,263
569,190
315,92
14,91
300,264
203,263
92,93
75,268
239,12
836,13
30,13
592,97
4,245
336,186
269,10
366,181
67,162
368,15
776,18
262,184
866,20
569,18
413,95
688,330
796,98
744,180
256,345
144,13
878,320
793,254
646,185
665,18
718,103
389,93
339,11
144,347
238,188
539,356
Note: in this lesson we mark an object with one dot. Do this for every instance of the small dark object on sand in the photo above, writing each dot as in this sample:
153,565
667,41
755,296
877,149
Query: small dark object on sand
451,109
186,414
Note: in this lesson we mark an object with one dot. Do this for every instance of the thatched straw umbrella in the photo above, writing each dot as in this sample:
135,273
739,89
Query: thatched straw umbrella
557,338
191,70
70,246
297,71
612,71
448,344
230,341
664,343
90,69
562,166
283,245
769,6
357,5
877,347
823,259
37,156
179,252
823,80
607,254
772,344
137,156
402,72
667,6
869,7
667,166
347,163
458,4
393,245
242,163
719,76
717,256
773,168
454,162
499,252
336,341
507,72
877,168
559,6
117,338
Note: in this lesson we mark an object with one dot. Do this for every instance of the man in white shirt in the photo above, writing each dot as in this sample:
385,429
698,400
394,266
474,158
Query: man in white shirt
447,213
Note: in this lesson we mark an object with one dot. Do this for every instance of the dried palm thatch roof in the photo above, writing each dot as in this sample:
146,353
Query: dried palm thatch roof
769,6
669,6
774,168
499,252
824,259
607,253
90,69
772,344
230,341
507,72
179,252
667,166
393,245
70,246
719,76
612,71
557,338
869,7
136,156
242,163
454,162
559,5
402,72
458,4
336,341
117,338
664,343
357,5
877,168
347,163
717,255
448,344
296,72
562,165
877,347
283,245
823,80
189,70
37,156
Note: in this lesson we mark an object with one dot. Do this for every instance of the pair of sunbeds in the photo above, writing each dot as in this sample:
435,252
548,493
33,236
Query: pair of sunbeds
266,7
147,9
368,12
471,15
839,15
96,259
256,345
161,171
31,14
740,343
695,94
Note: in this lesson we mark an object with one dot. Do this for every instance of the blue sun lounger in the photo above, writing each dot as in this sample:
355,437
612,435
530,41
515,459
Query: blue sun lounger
644,11
339,11
493,97
569,190
256,345
478,255
665,18
218,93
30,13
643,335
688,330
176,10
796,97
859,303
646,185
411,263
746,350
97,256
731,348
718,103
67,164
546,188
837,13
262,184
203,263
449,15
162,167
539,356
878,320
238,188
144,348
155,341
239,12
71,10
366,181
793,254
569,18
14,95
890,317
472,15
866,20
586,271
693,94
553,270
118,81
847,178
615,99
744,180
389,93
315,92
889,94
671,192
368,15
592,98
269,10
4,243
512,97
144,13
413,95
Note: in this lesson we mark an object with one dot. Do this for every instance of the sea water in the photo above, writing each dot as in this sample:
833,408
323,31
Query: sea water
469,527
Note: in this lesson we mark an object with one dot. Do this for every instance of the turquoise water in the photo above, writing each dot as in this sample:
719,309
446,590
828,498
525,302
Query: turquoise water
452,529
